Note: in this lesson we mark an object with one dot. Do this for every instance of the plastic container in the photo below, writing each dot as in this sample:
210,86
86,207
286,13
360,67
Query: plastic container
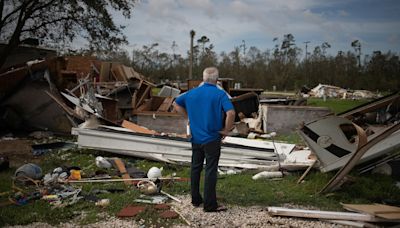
267,175
103,163
75,174
29,170
154,173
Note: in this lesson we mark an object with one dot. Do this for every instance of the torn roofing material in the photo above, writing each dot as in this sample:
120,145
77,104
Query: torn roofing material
178,150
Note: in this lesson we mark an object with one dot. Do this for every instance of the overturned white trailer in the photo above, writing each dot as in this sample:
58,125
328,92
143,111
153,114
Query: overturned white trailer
235,152
335,139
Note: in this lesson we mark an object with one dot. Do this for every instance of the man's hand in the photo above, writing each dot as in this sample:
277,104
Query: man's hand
180,109
230,118
225,132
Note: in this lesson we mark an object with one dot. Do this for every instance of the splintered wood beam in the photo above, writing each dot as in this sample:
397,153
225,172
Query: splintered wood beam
122,169
143,96
137,128
134,99
164,107
306,172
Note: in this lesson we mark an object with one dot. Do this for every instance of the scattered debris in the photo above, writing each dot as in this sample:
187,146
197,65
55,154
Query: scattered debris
40,149
151,199
236,152
103,203
267,175
329,91
147,187
31,171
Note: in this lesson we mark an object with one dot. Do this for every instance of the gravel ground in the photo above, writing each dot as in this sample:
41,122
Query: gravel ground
235,216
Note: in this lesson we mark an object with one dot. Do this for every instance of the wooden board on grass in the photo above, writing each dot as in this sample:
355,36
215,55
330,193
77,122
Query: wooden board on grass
379,210
122,170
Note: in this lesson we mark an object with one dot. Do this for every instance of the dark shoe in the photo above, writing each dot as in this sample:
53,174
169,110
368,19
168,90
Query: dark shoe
196,204
218,209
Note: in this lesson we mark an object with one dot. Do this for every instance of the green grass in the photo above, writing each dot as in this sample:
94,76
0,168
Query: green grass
233,189
336,105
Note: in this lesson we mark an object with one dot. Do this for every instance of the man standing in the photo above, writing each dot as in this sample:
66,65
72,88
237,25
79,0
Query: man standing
211,116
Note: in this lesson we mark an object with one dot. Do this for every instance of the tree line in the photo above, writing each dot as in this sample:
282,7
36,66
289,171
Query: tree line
283,67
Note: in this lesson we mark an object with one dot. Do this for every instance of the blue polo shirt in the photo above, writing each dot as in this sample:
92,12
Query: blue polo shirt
205,106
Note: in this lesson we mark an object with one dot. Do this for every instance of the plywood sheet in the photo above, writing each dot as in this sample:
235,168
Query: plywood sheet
137,128
164,107
380,210
105,72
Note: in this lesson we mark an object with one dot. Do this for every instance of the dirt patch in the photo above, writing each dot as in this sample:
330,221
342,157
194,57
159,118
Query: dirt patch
18,151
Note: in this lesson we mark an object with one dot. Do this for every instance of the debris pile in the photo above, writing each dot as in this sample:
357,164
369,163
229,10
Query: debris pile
330,91
64,186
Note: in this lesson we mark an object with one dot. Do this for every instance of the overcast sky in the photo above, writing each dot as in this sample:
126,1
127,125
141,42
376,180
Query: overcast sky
376,23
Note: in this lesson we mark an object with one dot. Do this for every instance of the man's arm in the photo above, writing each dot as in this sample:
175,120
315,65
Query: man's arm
230,118
181,110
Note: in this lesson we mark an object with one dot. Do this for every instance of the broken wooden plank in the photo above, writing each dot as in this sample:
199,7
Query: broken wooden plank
122,169
143,95
164,107
65,107
281,211
306,172
350,223
118,72
134,99
105,72
137,128
146,106
380,210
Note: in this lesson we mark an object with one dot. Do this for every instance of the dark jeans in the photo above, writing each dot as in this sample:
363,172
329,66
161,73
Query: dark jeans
211,152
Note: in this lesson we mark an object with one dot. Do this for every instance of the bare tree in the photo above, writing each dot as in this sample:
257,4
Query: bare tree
62,21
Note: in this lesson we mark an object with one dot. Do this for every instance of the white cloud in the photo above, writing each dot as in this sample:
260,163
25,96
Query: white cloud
227,22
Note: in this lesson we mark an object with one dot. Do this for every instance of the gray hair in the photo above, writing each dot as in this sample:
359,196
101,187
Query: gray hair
210,74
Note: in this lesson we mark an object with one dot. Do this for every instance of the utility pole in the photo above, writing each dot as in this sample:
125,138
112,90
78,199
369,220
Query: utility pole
307,42
306,63
192,33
